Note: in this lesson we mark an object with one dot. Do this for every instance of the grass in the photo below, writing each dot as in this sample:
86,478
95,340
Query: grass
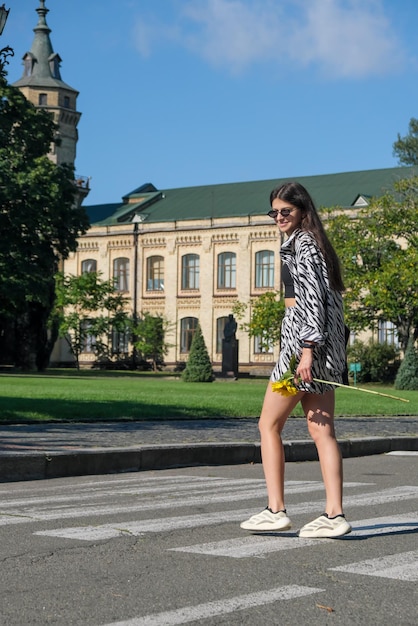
89,396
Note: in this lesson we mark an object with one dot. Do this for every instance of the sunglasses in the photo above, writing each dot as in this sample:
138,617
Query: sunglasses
283,212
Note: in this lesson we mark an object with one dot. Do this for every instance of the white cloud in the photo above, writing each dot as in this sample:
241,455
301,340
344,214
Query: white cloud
349,38
233,33
340,38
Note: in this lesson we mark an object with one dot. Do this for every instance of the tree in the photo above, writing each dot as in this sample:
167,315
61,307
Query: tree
87,309
149,338
39,226
267,311
379,254
199,366
406,148
407,376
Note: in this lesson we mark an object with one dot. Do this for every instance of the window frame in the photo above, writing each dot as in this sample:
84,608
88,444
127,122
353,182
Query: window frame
226,270
121,274
264,271
188,326
190,272
88,271
155,267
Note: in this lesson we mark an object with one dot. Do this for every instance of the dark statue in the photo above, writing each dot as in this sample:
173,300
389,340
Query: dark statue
230,348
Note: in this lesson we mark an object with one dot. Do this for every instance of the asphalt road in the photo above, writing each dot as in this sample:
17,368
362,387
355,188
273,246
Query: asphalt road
164,547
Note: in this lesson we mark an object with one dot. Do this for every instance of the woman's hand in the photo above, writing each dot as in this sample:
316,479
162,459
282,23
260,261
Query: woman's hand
304,369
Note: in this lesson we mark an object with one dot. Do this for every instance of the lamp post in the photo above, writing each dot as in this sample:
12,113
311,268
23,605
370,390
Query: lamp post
4,13
7,51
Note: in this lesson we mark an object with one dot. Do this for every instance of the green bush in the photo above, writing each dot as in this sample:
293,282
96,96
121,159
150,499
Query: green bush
379,361
199,367
407,376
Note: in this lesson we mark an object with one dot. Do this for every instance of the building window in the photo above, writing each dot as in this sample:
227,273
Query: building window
120,341
387,333
188,327
227,270
190,269
155,273
88,266
264,269
88,338
43,99
262,347
67,102
220,327
121,274
27,65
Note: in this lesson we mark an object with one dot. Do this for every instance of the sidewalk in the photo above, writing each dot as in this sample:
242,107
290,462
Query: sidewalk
39,451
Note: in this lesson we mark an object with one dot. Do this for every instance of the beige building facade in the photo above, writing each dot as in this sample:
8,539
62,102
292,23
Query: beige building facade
191,254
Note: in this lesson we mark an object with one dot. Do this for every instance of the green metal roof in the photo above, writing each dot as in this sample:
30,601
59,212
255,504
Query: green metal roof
246,198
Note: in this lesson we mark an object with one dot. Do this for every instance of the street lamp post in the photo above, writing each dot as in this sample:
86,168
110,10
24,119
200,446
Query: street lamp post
4,14
7,51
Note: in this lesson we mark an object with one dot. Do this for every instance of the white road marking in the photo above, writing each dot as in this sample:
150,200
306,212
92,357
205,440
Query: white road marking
172,488
254,545
136,528
220,494
403,453
259,545
220,607
402,566
210,485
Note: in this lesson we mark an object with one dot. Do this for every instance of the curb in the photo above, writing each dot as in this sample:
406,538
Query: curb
20,466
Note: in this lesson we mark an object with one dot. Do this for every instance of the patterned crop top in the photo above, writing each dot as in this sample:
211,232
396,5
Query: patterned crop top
289,287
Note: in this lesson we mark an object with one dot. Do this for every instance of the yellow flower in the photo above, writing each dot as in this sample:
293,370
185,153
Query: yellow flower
285,386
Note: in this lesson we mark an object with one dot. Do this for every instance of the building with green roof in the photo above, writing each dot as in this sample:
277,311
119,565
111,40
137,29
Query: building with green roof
190,254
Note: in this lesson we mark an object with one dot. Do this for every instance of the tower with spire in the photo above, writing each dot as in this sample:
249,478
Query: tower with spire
42,85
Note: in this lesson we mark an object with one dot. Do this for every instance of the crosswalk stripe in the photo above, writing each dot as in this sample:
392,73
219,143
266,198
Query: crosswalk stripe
220,607
172,488
257,545
220,494
403,566
166,524
208,486
403,453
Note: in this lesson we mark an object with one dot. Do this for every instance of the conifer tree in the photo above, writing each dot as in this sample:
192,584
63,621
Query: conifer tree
407,376
199,366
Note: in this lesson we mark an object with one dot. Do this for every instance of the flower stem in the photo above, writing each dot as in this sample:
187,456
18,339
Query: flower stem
377,393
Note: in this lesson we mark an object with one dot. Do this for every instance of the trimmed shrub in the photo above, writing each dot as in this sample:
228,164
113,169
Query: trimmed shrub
407,376
379,361
199,367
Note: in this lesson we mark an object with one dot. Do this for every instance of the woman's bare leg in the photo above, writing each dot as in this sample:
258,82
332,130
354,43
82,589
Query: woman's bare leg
319,411
276,409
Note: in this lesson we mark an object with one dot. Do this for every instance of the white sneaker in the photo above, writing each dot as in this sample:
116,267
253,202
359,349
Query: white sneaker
267,520
325,527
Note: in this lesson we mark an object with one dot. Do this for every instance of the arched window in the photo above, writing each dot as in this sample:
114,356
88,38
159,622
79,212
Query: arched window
190,270
220,327
387,333
88,266
262,345
155,273
121,274
264,268
188,327
88,336
227,270
120,341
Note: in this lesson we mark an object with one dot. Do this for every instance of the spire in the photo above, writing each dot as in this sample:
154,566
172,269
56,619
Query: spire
41,64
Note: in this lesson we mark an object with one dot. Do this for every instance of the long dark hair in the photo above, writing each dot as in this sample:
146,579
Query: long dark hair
294,193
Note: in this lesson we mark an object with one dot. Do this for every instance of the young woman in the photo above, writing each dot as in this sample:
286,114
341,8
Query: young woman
313,331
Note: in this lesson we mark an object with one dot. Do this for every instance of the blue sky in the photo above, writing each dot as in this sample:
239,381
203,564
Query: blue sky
193,92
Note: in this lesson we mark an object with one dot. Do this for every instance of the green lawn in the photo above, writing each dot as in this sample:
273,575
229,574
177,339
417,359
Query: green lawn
67,395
